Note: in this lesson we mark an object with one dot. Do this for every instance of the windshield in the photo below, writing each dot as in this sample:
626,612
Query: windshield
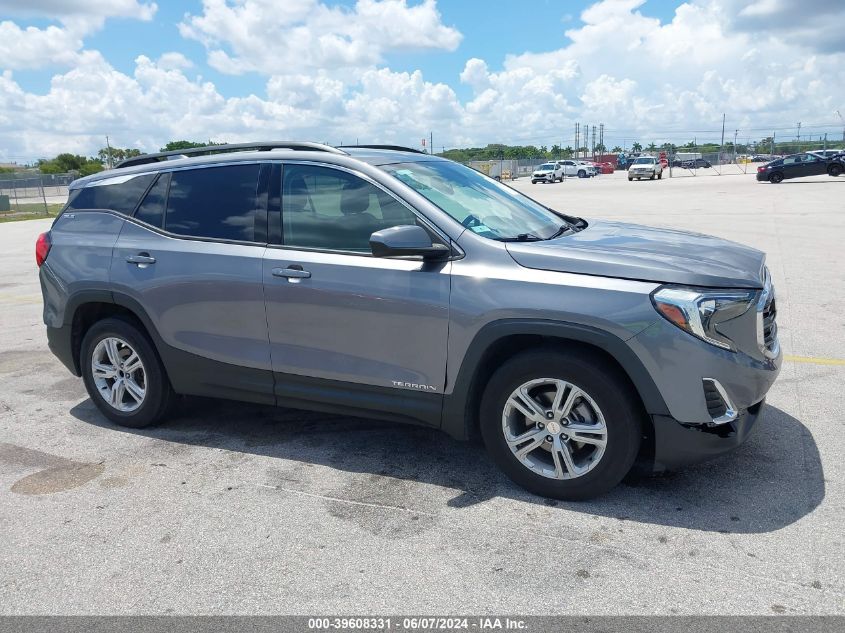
547,167
481,204
644,161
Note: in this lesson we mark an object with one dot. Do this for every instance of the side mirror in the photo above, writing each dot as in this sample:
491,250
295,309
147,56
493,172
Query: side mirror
406,241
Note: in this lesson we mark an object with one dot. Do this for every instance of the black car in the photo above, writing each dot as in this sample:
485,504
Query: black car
798,166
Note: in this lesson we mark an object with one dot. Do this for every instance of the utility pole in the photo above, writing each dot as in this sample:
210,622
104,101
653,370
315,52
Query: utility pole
843,125
586,138
577,137
774,134
431,142
799,136
735,135
108,149
722,145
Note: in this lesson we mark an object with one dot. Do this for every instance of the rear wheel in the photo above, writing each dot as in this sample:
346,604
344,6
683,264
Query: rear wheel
123,375
776,178
630,179
660,176
562,425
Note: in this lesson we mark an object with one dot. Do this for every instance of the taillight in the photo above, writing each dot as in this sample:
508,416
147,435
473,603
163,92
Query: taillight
42,248
759,169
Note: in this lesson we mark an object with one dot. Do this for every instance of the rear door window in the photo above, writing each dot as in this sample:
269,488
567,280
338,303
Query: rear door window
216,202
120,193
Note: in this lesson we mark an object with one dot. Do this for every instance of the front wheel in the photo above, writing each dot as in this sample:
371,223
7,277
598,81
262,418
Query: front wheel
835,170
562,425
630,179
123,374
582,173
660,176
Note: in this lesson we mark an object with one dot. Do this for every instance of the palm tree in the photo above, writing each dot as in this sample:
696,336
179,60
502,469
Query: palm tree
637,147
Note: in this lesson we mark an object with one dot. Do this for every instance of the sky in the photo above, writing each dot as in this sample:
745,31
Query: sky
395,71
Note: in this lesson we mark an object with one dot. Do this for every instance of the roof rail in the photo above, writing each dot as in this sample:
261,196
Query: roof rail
397,148
144,159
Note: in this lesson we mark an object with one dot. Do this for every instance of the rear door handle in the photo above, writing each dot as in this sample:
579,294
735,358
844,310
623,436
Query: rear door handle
141,259
291,273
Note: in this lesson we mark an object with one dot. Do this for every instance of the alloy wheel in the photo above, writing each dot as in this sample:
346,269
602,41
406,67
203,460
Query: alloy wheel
554,428
119,374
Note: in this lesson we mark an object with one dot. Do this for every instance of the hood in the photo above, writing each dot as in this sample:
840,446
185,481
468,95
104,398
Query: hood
643,165
631,251
544,170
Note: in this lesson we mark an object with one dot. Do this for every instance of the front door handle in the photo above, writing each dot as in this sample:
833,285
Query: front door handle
142,259
291,273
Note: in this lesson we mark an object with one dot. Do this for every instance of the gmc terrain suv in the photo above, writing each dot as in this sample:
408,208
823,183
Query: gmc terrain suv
378,281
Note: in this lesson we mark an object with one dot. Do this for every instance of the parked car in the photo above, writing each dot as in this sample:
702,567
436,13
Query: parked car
547,172
590,168
827,153
798,166
579,168
645,167
606,168
388,283
697,163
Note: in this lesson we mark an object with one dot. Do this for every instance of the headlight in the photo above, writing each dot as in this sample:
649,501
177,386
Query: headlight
701,312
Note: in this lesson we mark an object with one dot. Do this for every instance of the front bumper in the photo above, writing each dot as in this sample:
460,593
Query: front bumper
547,177
677,444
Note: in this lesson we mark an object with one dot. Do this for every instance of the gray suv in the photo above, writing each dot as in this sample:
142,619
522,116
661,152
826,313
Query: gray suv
381,282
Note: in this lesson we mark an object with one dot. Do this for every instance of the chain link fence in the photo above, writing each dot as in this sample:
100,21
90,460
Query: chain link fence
31,193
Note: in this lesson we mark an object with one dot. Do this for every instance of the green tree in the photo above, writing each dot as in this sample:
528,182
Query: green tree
637,147
651,147
568,151
173,146
64,163
600,148
616,149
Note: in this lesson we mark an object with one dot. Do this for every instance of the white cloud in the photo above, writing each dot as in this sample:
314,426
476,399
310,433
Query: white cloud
306,34
33,47
641,77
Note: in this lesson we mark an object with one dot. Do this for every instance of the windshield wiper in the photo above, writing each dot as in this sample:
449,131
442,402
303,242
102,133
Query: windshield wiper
563,229
522,237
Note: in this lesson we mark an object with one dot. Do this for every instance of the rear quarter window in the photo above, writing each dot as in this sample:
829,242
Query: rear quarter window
120,194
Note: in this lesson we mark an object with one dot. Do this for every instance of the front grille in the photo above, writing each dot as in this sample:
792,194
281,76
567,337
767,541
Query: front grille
716,406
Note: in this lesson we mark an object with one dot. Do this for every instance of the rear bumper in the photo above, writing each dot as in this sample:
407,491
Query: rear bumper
60,342
677,445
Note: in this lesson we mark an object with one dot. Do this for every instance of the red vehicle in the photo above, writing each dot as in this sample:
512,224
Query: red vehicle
606,168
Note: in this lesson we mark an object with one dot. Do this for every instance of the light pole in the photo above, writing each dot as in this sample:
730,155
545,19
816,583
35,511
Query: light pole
843,125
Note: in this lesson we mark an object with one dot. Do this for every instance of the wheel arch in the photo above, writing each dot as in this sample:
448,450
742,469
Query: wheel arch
500,340
87,307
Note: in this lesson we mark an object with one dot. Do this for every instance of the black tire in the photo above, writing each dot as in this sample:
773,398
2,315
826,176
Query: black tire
582,173
776,178
630,179
651,177
158,395
533,182
836,170
660,176
610,391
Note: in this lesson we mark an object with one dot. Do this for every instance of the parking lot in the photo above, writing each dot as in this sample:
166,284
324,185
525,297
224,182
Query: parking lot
235,508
